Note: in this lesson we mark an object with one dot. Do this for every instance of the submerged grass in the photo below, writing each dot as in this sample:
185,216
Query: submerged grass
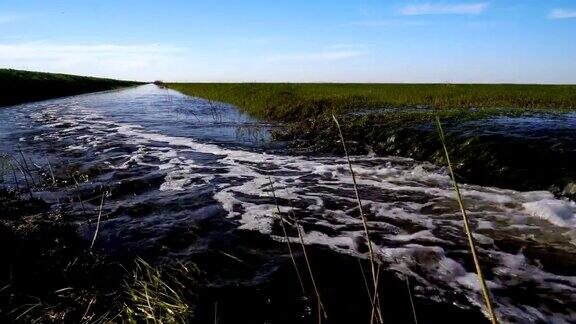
290,102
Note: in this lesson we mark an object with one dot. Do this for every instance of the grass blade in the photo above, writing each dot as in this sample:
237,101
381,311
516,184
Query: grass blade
286,237
364,221
471,244
98,221
411,299
321,309
320,304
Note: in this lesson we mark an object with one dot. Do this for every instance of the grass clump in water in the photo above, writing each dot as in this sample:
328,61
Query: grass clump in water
156,297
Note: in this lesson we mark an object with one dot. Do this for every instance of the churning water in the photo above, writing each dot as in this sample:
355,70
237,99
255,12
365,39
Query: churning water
185,158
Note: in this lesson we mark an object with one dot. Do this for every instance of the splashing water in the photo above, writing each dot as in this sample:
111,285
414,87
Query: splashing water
171,145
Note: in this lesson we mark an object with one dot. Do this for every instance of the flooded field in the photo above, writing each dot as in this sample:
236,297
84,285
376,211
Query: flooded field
186,179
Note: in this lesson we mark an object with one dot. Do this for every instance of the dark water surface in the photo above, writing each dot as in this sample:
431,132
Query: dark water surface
190,179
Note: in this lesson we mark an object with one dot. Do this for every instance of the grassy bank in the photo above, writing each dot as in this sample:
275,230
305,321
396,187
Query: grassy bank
292,102
507,161
24,86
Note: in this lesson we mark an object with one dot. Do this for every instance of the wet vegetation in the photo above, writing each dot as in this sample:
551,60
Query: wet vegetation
398,119
49,274
53,273
288,102
159,297
25,86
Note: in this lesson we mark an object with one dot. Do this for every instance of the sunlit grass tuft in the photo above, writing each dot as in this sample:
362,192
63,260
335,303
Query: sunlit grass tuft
294,102
153,298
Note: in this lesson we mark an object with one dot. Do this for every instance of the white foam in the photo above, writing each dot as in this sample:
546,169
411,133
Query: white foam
557,212
412,209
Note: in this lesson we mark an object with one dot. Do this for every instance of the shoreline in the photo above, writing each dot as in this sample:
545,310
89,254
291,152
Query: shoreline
499,147
21,87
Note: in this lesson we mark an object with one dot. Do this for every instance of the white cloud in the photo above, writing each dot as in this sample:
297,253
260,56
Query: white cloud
92,59
562,14
444,9
334,55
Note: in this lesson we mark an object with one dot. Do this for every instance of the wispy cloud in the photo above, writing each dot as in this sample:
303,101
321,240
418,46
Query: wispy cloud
444,9
346,46
562,14
7,17
389,23
85,58
324,56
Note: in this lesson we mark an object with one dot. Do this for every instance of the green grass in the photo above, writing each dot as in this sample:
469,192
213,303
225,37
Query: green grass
156,297
24,86
293,102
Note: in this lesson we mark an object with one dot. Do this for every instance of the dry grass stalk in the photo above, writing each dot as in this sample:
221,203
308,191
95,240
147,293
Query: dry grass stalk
411,299
364,223
98,221
365,280
25,178
85,318
15,178
375,300
471,244
26,166
77,186
51,172
282,220
321,309
320,304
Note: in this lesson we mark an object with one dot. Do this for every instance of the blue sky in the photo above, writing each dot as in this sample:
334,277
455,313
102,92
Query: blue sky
518,41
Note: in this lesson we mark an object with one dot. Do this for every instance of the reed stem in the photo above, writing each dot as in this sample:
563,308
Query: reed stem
98,221
364,220
471,244
286,237
411,299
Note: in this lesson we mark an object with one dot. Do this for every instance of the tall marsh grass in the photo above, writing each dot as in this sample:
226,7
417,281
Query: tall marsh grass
294,101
